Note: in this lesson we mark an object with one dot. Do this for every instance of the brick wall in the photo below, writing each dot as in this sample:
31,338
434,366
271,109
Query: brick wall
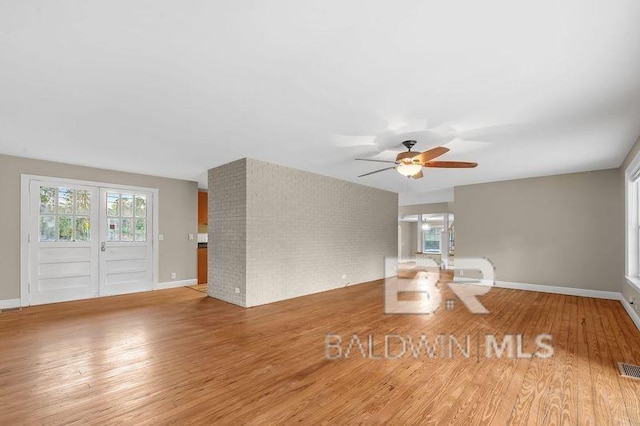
303,233
227,232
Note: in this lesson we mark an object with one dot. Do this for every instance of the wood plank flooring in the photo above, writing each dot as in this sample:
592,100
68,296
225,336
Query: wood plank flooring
178,357
199,287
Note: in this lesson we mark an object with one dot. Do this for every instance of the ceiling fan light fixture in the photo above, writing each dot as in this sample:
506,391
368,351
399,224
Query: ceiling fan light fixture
409,169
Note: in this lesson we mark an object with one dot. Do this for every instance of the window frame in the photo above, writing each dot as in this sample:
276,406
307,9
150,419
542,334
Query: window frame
439,240
632,222
56,214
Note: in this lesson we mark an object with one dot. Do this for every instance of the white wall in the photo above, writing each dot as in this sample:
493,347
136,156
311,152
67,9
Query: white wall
408,239
426,208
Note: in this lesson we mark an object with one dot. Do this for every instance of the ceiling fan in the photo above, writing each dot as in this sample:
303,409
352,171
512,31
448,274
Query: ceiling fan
410,163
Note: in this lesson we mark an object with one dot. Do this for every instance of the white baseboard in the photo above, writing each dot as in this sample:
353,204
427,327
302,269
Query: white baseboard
174,284
632,313
568,291
9,303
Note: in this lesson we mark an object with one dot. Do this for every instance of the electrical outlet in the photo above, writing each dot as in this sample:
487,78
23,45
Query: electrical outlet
190,236
237,290
173,275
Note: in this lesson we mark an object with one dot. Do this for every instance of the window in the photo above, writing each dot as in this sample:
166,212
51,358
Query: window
432,239
126,217
64,214
632,194
435,233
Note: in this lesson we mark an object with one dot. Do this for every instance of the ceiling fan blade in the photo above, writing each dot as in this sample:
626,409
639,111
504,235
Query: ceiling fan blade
451,164
377,171
430,154
376,161
418,175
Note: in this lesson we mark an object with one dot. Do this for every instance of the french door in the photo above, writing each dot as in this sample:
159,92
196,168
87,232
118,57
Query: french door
62,242
87,241
126,244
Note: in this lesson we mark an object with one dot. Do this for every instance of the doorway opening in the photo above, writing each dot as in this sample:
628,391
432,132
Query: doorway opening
428,235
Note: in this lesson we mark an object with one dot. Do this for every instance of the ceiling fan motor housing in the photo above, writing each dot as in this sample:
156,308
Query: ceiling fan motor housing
406,157
409,144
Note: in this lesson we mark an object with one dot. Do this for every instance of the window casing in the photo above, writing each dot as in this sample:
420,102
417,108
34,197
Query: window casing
632,222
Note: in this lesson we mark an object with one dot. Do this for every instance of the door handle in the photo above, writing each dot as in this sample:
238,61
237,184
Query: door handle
103,246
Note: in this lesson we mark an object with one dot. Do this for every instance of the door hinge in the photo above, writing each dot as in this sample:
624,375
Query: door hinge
28,238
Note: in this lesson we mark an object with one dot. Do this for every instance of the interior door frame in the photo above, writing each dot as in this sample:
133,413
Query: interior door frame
25,214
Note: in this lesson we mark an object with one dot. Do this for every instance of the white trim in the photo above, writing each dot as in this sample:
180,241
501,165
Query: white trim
25,192
632,268
155,249
634,283
632,313
475,281
569,291
9,303
174,284
25,182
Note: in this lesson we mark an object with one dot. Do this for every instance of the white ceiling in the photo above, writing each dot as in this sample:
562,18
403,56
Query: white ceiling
173,88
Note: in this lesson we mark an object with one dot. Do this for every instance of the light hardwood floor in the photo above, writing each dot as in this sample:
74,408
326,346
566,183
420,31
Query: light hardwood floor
177,356
199,287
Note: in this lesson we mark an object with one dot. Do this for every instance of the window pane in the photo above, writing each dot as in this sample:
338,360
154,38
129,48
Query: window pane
432,240
127,229
83,229
47,200
113,204
83,202
113,229
141,206
141,230
65,228
47,228
127,205
65,200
